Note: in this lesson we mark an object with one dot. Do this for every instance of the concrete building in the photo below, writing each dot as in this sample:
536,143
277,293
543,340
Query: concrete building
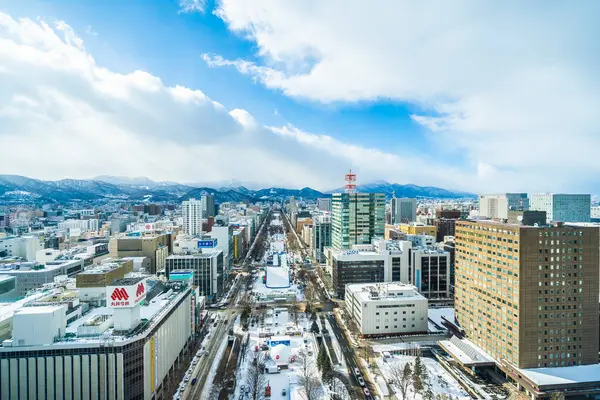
404,210
429,271
8,287
417,228
156,247
528,295
224,236
356,218
92,282
82,225
208,205
324,204
562,207
444,227
385,309
116,352
320,237
207,268
20,246
424,266
31,275
496,206
192,216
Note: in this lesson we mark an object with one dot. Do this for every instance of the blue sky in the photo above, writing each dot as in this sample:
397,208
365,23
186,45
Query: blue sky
430,99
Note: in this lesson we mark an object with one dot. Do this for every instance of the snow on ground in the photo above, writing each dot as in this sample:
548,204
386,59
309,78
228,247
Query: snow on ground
439,379
336,347
266,294
435,314
277,277
213,369
287,378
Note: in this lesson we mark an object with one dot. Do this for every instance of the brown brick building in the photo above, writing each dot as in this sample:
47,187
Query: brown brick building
528,295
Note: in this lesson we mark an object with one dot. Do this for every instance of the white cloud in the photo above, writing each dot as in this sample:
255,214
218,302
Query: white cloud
513,86
64,115
188,6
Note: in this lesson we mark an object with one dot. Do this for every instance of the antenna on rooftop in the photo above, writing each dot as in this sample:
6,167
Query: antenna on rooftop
350,186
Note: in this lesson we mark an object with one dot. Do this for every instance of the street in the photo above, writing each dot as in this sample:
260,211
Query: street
350,358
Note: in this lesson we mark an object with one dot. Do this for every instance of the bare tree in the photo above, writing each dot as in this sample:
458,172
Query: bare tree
255,378
215,390
294,310
401,377
557,396
308,378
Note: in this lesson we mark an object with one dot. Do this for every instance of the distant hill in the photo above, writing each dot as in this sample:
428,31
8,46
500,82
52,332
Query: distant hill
409,191
21,189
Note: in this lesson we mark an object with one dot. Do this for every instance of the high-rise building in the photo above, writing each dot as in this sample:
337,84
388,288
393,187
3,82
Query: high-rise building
562,207
356,218
497,205
324,204
528,295
404,210
321,236
207,267
208,205
192,216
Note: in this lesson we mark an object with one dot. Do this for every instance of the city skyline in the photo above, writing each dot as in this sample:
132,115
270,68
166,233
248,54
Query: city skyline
471,110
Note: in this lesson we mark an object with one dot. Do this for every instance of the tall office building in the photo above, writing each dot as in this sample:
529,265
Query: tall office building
497,205
321,236
404,210
192,216
324,204
562,207
356,218
528,295
208,205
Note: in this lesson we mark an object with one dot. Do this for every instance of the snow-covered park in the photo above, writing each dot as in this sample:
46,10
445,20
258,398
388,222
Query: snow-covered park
438,379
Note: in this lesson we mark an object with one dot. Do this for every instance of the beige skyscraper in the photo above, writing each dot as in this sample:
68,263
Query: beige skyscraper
528,295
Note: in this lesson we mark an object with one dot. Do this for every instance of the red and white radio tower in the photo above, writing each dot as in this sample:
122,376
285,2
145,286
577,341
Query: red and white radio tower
350,183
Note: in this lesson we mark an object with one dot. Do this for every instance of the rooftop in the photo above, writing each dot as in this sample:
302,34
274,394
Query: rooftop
384,291
563,375
151,313
38,310
128,281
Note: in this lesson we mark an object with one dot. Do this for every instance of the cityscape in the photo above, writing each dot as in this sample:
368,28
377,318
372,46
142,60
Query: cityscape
171,227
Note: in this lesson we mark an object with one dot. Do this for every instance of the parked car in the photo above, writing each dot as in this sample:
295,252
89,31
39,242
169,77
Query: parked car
194,361
283,392
361,381
356,371
366,391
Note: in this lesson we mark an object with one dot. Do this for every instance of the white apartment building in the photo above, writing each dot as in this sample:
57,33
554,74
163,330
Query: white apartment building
84,225
497,205
25,247
386,308
192,216
562,207
595,212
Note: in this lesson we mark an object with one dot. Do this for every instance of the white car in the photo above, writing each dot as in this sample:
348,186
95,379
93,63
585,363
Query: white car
194,362
361,381
356,371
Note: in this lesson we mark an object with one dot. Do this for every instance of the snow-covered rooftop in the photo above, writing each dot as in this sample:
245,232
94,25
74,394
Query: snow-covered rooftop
563,375
466,352
277,277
